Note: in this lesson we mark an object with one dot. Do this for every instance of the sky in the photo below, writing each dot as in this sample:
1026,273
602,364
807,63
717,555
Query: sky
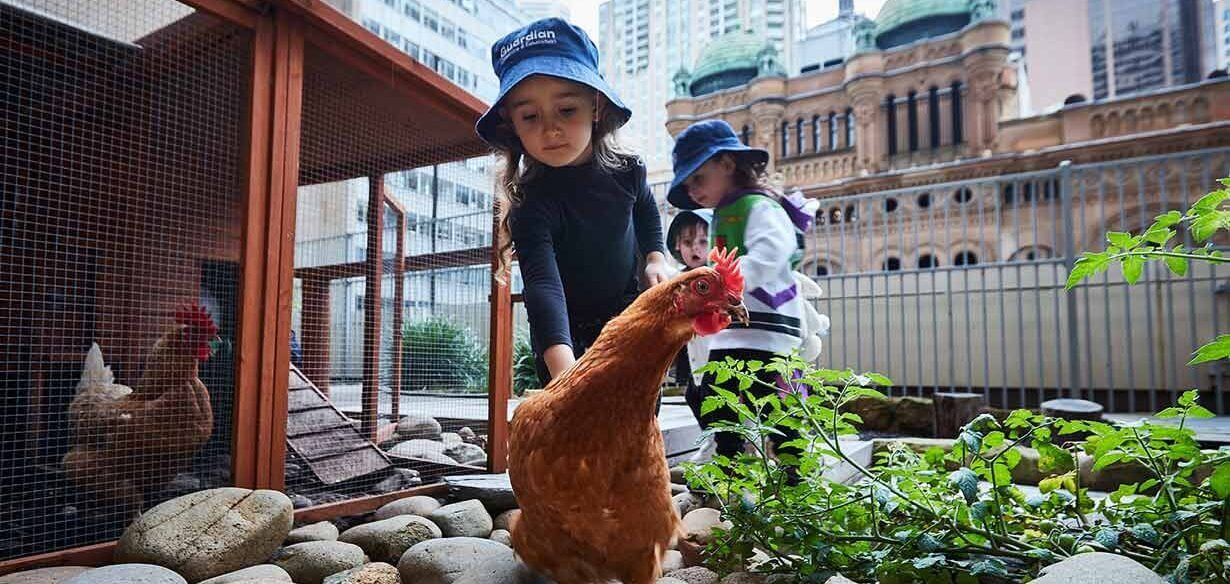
585,12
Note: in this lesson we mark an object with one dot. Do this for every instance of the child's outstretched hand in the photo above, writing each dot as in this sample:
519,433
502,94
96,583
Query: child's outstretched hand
656,269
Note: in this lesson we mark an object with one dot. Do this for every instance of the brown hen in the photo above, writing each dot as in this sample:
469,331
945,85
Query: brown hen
586,458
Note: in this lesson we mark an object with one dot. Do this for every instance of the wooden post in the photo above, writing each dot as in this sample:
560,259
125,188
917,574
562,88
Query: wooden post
399,297
317,330
953,410
500,364
271,174
374,272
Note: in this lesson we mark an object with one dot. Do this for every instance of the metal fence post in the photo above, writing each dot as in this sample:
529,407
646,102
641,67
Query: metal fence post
1069,254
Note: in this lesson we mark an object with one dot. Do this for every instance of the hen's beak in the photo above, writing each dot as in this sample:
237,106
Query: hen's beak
737,312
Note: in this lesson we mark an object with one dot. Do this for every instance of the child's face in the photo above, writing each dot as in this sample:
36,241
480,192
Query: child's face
712,181
553,118
693,245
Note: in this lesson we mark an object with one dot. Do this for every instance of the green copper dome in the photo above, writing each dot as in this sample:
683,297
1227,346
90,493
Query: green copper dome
728,61
902,22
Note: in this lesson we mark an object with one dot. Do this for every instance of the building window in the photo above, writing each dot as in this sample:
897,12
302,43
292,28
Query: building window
747,135
924,200
815,133
891,264
962,195
1032,253
911,115
821,270
890,205
927,261
890,107
362,212
933,115
800,136
965,258
956,112
412,10
832,131
849,127
785,139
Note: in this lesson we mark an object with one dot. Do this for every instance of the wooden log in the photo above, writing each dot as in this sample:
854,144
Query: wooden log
1072,409
953,410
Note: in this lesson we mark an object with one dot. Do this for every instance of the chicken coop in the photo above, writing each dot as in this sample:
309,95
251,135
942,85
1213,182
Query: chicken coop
243,243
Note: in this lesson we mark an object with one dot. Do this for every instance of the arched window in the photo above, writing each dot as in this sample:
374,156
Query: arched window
747,135
851,214
965,258
849,127
785,139
821,270
891,264
832,131
923,201
962,195
1032,253
815,133
911,119
927,261
800,137
956,112
933,115
890,107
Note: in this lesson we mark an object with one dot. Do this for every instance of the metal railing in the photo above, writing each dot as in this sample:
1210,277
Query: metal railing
960,286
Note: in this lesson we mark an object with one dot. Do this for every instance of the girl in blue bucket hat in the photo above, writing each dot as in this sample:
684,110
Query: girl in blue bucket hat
714,170
577,210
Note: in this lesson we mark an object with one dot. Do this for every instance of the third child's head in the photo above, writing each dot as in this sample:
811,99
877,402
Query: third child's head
711,163
687,238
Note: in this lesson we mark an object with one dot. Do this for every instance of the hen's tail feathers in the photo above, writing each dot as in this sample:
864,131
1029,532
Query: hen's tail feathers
96,371
199,329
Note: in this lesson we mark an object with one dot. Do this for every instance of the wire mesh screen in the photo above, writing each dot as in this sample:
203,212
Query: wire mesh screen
392,284
119,251
960,286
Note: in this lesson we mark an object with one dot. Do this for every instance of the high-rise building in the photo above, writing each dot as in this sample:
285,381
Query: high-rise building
643,43
829,43
1221,10
536,9
1138,45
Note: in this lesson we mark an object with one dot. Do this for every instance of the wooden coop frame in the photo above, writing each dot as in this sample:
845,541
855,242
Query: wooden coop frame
271,163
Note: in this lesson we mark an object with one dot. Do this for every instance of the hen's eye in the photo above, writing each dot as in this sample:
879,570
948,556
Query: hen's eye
701,287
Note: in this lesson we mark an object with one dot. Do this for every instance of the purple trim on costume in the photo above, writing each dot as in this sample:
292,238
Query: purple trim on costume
776,300
800,219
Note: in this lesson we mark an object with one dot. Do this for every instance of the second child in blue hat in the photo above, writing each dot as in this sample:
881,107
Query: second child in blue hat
714,170
576,209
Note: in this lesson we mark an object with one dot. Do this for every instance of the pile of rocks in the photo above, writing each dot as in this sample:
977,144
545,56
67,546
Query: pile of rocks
420,436
239,536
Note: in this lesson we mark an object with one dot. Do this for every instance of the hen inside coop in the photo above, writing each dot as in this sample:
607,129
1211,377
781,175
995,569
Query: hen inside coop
125,238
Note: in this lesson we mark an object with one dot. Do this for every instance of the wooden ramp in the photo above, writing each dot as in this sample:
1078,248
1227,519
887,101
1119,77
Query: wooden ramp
324,437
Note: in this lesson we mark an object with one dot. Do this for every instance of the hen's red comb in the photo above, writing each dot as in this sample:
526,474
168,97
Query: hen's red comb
726,263
199,329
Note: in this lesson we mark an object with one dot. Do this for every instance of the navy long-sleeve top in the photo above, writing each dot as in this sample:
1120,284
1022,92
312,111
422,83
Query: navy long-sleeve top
579,233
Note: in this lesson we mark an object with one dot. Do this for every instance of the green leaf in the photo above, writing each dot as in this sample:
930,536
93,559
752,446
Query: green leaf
1053,483
1169,219
1200,412
927,561
880,380
989,568
1170,412
967,482
1053,459
1209,202
1157,235
1205,225
934,456
1146,533
1189,398
1220,480
1177,265
1133,267
1109,538
1089,264
1109,459
1216,349
1121,239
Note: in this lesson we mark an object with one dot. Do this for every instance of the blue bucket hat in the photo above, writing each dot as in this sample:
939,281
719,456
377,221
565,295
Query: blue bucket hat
696,145
549,46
